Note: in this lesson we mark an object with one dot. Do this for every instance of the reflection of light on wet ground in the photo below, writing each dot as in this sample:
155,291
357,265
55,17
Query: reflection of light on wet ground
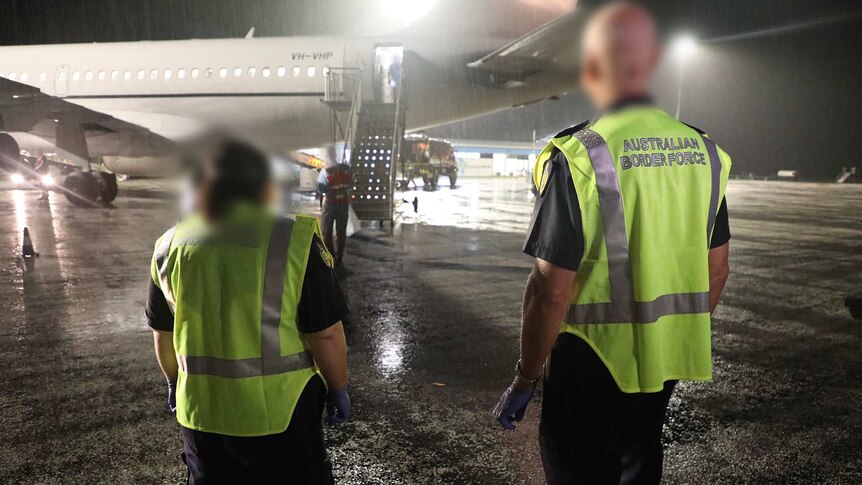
59,235
391,339
20,203
391,359
498,204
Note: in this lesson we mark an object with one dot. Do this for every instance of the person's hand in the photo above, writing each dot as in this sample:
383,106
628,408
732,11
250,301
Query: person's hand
172,396
337,406
512,405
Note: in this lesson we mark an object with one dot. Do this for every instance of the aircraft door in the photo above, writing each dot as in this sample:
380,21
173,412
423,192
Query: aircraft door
388,61
61,80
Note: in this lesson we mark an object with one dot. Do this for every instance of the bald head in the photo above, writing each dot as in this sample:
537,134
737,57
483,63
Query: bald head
620,52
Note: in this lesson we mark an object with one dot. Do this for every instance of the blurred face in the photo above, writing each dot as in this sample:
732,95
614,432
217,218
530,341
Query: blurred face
591,76
619,54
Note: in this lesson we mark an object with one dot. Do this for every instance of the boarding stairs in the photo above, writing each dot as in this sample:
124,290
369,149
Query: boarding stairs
372,130
373,152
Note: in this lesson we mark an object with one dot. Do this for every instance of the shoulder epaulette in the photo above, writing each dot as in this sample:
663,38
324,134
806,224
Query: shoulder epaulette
573,129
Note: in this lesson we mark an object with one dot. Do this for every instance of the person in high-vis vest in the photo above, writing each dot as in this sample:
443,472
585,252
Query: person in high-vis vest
334,184
630,235
246,313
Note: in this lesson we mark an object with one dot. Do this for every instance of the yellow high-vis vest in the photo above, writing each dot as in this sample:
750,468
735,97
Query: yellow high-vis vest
235,286
649,188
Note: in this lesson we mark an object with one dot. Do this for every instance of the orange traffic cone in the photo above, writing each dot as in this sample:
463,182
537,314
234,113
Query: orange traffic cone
27,250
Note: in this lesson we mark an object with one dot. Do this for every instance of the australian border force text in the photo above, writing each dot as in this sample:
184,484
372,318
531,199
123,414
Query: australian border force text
683,151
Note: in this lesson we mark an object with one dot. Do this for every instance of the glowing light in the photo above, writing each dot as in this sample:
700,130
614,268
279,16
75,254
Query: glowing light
684,46
47,180
17,178
407,11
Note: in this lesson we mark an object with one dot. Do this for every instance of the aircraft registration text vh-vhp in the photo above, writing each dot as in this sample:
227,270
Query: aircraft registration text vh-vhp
316,56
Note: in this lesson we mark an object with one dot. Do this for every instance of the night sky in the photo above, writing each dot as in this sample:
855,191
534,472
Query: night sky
789,98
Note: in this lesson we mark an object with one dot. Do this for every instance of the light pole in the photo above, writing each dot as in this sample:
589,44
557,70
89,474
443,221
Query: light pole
683,47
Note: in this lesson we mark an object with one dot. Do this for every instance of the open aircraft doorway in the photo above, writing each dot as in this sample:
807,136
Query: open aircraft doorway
388,60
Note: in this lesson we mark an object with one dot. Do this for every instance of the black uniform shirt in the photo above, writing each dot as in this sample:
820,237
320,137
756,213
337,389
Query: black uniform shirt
321,305
556,233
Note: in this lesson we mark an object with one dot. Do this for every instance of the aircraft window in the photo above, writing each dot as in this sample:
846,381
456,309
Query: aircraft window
195,73
265,72
237,72
127,75
252,71
222,72
24,77
281,71
154,74
296,70
181,73
209,72
141,74
168,73
101,75
89,76
115,74
311,71
43,77
76,76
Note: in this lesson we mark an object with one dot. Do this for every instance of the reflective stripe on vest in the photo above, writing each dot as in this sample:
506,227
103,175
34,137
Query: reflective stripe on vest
271,361
161,257
623,308
715,170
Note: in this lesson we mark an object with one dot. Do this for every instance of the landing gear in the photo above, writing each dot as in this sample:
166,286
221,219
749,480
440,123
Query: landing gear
82,189
435,181
453,178
107,186
9,153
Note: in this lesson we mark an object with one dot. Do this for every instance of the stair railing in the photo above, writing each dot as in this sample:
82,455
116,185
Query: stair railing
343,85
397,136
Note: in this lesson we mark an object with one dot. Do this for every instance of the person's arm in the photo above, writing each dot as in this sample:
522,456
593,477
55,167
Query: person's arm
719,270
165,354
160,318
546,301
329,349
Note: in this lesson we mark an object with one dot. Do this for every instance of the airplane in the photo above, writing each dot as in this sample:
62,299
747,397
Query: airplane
129,104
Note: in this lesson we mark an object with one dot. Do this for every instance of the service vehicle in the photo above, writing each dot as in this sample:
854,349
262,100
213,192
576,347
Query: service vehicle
429,159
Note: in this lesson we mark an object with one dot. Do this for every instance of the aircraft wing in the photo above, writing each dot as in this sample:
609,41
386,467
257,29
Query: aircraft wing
551,47
27,110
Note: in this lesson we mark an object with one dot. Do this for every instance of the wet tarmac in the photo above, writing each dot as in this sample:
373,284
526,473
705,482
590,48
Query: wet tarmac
433,339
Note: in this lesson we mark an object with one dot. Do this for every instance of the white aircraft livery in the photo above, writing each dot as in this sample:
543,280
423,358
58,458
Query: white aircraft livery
135,101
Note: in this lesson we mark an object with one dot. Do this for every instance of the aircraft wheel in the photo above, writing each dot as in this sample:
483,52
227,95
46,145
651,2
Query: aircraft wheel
9,152
108,188
453,179
81,189
435,181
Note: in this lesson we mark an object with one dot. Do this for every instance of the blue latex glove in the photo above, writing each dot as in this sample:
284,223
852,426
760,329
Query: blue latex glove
337,406
172,396
512,405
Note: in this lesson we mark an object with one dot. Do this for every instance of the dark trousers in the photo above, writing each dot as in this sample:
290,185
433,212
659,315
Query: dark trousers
296,456
593,433
335,214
